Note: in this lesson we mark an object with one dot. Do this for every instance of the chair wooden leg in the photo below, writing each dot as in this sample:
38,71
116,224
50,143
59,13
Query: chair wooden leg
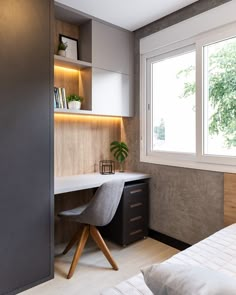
82,242
102,245
74,239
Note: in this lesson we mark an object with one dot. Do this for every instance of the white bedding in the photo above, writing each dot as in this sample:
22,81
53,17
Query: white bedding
217,252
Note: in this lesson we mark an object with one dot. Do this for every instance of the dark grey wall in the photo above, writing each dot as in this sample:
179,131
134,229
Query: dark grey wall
26,146
186,204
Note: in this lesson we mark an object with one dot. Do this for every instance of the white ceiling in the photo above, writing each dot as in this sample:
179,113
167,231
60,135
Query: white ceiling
128,14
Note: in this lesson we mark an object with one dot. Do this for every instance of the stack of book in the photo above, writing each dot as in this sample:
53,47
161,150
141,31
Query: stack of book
60,98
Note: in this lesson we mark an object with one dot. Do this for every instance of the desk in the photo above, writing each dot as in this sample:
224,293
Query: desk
70,189
73,183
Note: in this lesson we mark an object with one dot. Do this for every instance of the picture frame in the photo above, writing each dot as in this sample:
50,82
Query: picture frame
72,46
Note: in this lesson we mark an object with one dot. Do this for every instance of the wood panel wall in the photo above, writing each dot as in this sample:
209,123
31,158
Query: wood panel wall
67,78
80,142
229,198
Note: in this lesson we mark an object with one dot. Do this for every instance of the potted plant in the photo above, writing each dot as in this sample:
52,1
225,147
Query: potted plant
74,101
62,48
120,152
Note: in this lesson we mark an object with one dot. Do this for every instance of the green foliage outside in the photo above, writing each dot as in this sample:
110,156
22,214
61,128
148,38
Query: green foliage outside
222,91
160,130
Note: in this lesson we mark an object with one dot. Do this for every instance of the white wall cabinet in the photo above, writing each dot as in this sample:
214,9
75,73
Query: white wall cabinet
112,73
110,93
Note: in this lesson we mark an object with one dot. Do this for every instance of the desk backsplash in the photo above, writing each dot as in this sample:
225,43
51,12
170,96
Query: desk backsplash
80,142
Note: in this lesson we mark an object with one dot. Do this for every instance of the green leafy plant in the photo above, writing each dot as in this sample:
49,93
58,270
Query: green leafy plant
222,92
120,152
62,45
74,97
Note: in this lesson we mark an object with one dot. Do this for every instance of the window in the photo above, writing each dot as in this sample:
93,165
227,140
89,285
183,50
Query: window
170,111
189,102
220,98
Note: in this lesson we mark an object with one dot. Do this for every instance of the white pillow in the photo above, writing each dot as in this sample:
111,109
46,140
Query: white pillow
174,279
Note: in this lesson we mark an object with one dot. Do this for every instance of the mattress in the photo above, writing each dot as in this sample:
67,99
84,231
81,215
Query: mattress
217,252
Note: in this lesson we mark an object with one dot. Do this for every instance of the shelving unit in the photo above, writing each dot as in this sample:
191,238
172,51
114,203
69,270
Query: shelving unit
103,74
73,75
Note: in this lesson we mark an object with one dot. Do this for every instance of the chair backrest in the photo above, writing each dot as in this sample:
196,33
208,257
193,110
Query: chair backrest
104,203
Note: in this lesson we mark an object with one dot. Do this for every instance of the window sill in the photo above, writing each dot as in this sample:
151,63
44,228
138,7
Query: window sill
189,164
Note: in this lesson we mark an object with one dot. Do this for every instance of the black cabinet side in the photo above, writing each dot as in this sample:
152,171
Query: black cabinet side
26,145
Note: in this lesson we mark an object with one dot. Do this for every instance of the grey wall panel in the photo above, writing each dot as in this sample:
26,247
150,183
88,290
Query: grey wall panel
185,204
26,144
111,48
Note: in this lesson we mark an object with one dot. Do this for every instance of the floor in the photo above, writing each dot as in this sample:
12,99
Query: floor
93,273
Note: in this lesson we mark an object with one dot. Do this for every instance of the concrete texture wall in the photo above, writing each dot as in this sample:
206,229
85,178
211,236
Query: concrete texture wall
186,204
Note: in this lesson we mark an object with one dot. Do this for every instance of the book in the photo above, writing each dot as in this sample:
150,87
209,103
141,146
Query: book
60,98
56,99
63,92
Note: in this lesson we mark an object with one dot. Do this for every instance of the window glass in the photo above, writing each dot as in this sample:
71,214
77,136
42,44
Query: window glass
220,98
173,103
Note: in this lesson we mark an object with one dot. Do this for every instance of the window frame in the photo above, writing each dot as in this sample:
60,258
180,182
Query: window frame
149,62
198,160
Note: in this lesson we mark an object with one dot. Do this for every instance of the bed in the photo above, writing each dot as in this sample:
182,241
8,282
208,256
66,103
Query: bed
215,254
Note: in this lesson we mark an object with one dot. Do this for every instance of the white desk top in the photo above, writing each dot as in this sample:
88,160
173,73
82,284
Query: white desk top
85,181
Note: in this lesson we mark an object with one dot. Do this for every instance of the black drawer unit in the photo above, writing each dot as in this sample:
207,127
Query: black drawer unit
130,222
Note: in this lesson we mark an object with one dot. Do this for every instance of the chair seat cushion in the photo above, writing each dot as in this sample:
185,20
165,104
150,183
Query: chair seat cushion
73,212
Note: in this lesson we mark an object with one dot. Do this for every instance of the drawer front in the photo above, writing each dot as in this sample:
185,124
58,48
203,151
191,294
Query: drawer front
136,209
135,193
135,234
136,222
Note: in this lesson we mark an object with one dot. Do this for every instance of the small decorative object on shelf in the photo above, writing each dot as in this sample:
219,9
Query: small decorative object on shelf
107,167
74,101
72,46
120,152
62,48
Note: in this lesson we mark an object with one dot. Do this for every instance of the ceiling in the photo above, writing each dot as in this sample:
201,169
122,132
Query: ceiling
128,14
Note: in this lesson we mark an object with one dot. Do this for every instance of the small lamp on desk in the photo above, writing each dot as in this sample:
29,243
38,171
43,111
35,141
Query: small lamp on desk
107,167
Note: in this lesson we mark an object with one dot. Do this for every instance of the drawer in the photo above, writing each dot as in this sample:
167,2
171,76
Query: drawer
135,235
135,193
135,209
136,222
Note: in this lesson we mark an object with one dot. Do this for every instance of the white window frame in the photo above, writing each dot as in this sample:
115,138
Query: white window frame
198,160
158,57
220,34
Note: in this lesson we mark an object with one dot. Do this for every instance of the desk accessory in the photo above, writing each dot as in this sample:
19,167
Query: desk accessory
107,167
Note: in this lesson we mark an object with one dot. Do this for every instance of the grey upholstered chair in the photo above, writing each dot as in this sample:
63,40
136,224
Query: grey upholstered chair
98,212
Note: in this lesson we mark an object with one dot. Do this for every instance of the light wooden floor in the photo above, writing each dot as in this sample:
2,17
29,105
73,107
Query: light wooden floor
93,272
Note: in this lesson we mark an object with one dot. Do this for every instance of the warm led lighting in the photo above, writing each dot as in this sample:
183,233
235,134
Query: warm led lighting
86,117
65,69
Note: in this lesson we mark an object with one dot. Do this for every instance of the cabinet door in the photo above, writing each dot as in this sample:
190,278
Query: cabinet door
112,48
110,92
26,118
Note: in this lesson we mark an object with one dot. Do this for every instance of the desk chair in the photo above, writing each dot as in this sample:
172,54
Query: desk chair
98,212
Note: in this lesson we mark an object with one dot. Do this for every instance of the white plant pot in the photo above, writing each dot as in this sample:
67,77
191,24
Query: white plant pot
62,53
74,105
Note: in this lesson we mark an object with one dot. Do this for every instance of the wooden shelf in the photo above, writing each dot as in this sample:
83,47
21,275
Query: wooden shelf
81,112
72,112
69,63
